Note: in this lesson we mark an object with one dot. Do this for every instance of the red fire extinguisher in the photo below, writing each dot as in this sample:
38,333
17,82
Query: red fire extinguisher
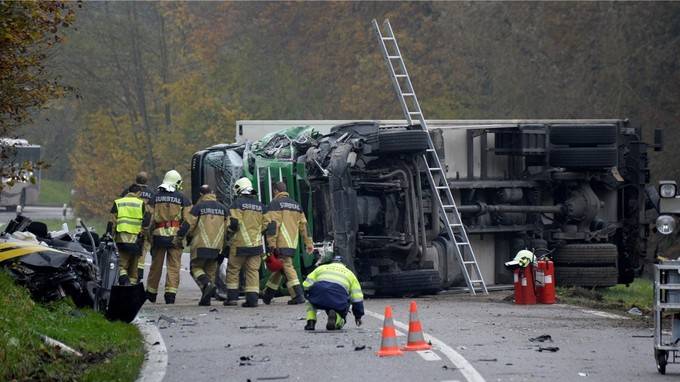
545,282
524,285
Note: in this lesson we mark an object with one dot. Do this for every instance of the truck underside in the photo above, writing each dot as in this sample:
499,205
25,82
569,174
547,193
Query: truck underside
571,190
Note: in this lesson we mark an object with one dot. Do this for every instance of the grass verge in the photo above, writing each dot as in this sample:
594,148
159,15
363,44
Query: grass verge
638,294
54,192
112,351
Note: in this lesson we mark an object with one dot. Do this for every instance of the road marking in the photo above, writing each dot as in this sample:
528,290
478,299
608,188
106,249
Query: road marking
594,312
468,371
156,360
429,355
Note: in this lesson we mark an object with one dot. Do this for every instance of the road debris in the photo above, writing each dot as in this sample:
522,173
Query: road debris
487,360
272,378
635,311
581,374
542,338
259,327
248,360
359,348
62,347
553,349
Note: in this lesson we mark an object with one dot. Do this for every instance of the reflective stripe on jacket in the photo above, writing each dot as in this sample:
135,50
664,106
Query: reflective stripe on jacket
336,273
169,210
206,223
247,221
290,223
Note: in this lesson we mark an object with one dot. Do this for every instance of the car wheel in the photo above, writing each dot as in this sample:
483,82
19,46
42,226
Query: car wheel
587,255
415,282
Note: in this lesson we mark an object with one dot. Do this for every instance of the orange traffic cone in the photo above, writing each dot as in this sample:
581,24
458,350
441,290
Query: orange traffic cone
388,344
416,341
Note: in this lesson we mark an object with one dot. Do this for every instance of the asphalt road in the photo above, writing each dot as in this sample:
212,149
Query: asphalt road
33,212
241,344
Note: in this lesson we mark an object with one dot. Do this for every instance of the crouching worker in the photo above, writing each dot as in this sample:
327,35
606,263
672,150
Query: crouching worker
128,221
206,224
333,287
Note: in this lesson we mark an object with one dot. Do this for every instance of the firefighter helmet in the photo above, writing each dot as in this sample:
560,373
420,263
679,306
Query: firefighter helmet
172,181
243,186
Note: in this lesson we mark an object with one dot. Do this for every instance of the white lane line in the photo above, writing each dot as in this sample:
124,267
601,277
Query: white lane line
429,355
594,312
468,371
156,360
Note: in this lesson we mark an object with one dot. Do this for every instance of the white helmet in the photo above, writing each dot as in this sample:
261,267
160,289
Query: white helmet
522,259
172,181
243,186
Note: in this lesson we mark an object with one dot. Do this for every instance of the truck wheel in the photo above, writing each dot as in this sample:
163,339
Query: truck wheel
575,135
584,157
586,276
391,141
421,281
587,254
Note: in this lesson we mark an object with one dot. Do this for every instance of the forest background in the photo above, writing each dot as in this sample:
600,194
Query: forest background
153,82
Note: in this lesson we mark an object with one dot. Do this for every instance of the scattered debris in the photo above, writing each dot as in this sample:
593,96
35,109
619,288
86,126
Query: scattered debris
635,311
259,327
248,360
553,349
167,319
340,346
487,360
213,310
643,336
447,367
62,347
156,343
258,345
272,378
581,374
508,364
543,338
359,348
227,346
461,347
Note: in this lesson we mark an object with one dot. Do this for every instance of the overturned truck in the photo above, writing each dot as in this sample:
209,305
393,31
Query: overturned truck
574,190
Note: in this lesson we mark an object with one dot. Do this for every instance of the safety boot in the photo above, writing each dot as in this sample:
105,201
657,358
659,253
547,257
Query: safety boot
140,275
299,296
151,296
268,295
169,298
232,297
124,280
251,300
310,325
335,322
207,290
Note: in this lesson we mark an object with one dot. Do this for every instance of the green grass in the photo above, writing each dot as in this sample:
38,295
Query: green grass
639,294
54,192
112,351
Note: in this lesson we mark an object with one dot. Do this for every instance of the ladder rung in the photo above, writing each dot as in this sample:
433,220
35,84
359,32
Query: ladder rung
456,225
408,94
400,75
434,168
430,150
477,281
393,57
388,38
441,187
414,112
469,262
463,243
448,206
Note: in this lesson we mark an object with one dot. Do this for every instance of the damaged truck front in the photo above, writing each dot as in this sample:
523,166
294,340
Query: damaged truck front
570,189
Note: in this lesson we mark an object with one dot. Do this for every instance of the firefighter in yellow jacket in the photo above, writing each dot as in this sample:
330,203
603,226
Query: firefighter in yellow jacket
206,225
246,223
288,224
127,225
169,209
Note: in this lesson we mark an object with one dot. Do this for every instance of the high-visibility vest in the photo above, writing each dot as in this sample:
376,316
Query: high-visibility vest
129,215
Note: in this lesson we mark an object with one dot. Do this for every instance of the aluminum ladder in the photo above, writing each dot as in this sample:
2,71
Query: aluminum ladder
435,171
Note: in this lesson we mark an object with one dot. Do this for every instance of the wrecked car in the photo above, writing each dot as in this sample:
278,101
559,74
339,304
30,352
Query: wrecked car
61,264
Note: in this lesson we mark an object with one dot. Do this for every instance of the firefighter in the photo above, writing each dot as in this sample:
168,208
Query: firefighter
288,223
246,222
127,224
333,288
207,226
169,208
145,194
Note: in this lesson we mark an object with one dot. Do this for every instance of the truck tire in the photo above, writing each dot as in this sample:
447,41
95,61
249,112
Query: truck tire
584,157
587,255
576,135
586,276
393,141
415,282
